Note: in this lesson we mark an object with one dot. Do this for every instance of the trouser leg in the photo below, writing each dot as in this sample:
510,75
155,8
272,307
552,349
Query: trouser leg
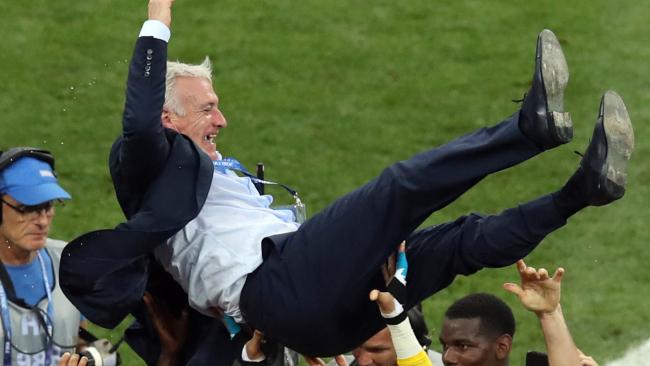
336,254
359,230
439,253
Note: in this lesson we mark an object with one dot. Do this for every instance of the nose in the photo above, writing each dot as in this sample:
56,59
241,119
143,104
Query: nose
449,357
42,217
218,119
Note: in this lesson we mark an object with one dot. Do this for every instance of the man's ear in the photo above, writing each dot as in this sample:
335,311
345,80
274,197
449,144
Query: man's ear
166,118
503,345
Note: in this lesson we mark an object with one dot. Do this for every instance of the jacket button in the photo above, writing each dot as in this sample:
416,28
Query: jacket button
149,51
146,74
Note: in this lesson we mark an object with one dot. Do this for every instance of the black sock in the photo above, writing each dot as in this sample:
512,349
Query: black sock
570,198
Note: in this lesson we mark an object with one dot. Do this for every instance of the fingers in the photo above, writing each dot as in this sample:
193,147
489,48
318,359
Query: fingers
543,274
254,346
513,288
385,301
521,265
402,247
559,274
83,361
340,360
314,361
63,361
390,267
152,308
72,360
374,294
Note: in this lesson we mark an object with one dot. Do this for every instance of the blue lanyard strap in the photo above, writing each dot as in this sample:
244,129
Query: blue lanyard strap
233,164
50,311
6,318
6,325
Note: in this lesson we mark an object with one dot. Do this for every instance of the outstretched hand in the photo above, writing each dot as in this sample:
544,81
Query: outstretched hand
161,10
538,292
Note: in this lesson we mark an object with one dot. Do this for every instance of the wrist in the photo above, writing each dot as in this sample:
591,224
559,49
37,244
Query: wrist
550,314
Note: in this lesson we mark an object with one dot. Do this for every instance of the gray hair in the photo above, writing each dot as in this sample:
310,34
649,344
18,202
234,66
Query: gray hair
177,69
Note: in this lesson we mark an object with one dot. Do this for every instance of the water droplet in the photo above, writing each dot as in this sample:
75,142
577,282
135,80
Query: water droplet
44,141
71,87
180,167
25,275
61,142
33,286
64,110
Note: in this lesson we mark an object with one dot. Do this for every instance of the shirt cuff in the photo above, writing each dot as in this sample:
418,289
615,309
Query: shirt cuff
244,356
155,29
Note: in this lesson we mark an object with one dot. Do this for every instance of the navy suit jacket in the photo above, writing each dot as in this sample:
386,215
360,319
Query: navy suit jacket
161,180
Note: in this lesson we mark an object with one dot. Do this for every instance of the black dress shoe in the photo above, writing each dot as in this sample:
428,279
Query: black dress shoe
543,118
602,173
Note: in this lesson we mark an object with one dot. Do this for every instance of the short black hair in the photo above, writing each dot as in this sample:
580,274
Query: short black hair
495,315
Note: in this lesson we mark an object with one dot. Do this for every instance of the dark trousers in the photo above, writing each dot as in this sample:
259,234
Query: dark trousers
311,291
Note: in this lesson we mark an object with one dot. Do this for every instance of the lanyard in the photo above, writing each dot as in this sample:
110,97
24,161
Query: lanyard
6,318
233,164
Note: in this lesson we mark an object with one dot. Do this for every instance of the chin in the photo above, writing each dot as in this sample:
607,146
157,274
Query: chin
212,153
37,243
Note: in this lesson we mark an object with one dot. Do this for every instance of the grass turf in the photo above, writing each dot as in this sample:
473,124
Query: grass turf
329,93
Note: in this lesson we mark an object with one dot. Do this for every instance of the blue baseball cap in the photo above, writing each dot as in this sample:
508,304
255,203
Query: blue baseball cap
31,181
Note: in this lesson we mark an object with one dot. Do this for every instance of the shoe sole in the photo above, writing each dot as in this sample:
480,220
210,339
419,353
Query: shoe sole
555,75
620,143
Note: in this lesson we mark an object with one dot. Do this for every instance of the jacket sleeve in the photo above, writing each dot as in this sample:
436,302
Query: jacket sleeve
141,151
144,147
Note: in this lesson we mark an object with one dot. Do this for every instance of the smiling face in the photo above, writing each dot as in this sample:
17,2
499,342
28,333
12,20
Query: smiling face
463,344
202,120
22,236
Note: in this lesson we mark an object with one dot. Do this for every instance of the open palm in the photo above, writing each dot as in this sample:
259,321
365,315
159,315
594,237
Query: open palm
538,291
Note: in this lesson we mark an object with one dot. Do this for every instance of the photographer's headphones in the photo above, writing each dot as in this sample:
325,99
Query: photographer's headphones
10,156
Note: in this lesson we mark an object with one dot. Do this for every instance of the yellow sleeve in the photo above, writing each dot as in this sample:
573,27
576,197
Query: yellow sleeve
419,359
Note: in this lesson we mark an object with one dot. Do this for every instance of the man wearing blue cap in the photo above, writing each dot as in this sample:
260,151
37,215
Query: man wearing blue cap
38,321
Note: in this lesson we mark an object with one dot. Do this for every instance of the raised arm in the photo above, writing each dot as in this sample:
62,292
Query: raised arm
138,156
540,294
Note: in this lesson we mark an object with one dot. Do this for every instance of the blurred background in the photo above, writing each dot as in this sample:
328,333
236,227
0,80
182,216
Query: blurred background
328,93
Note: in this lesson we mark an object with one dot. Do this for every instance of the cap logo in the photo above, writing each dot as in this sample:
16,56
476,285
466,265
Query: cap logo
46,173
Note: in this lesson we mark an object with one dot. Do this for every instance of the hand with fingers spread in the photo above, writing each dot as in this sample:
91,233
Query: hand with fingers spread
538,292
